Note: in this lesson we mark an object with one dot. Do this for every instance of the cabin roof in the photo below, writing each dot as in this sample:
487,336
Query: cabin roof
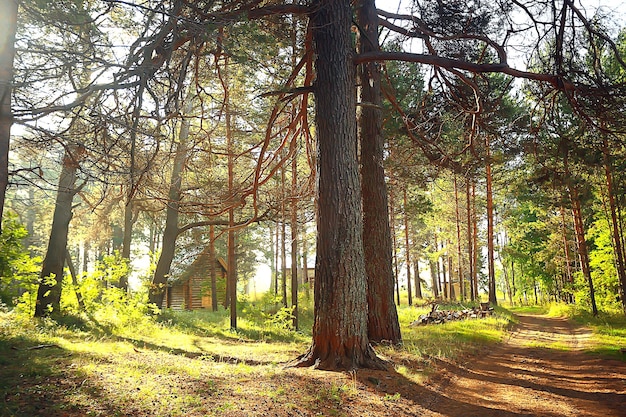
198,267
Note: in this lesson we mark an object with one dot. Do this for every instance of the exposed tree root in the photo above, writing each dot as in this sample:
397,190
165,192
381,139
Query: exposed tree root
330,361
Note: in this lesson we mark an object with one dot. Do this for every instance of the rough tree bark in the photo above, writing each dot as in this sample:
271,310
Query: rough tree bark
51,278
340,340
383,321
170,234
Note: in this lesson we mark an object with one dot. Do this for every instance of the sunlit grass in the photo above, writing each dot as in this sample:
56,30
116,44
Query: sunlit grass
424,344
191,363
529,309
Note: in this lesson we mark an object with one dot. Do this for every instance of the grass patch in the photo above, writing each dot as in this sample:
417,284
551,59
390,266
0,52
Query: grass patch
422,345
530,309
192,364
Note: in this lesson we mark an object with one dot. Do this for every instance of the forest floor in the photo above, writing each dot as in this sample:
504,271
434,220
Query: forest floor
540,369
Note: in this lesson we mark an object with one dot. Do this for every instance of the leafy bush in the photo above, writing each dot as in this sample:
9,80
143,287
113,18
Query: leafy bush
19,273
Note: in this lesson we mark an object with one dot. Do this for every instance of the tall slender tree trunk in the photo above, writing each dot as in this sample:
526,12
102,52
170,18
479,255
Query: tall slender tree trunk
450,273
470,241
170,234
568,267
617,238
86,251
392,226
445,286
127,232
340,339
213,263
127,239
493,299
276,256
283,238
513,281
459,254
475,243
294,198
383,321
434,278
579,228
75,283
305,261
407,250
8,22
583,252
231,243
294,236
418,280
51,278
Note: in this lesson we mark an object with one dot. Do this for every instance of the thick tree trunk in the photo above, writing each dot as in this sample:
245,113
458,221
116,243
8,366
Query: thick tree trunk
340,340
490,251
8,22
51,278
170,234
377,245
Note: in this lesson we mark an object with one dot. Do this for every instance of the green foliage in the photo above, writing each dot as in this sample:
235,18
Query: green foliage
19,272
451,339
602,262
283,319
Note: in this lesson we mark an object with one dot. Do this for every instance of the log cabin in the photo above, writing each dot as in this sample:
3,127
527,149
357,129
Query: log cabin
192,290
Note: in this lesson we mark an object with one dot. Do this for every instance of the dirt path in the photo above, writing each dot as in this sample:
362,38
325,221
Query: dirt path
540,371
